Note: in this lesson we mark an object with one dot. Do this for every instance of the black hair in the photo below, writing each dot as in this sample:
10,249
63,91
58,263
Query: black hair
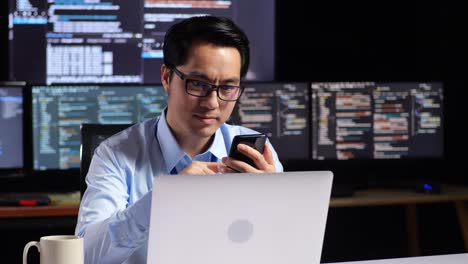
219,31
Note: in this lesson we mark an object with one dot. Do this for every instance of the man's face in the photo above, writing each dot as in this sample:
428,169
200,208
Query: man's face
189,116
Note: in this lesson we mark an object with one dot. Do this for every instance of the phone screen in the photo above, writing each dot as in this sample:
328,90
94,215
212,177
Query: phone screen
256,141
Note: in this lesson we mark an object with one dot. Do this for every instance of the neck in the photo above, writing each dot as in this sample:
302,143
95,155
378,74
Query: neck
193,145
190,143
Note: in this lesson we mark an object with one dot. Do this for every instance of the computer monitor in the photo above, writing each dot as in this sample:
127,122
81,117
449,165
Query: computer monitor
58,111
120,41
378,128
11,129
281,111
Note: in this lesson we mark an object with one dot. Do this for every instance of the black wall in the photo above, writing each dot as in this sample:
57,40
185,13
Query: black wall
358,41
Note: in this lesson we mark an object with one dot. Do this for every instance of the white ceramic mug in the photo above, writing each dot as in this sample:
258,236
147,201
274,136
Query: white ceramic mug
57,250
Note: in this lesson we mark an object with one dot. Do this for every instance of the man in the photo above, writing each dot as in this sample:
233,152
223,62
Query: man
204,60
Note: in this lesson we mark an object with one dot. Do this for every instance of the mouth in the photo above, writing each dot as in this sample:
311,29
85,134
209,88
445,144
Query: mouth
206,119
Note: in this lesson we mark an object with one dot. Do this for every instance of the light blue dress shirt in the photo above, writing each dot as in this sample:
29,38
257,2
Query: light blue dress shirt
115,209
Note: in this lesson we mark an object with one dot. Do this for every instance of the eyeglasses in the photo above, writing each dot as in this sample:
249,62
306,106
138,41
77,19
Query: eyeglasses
203,89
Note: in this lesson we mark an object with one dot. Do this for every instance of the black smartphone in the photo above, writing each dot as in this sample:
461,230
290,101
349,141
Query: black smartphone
256,141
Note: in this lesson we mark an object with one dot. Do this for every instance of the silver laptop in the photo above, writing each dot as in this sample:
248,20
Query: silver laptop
239,218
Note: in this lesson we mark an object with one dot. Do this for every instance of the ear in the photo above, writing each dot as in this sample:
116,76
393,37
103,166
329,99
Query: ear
165,78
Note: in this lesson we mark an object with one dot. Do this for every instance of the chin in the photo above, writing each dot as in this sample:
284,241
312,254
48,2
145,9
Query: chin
206,131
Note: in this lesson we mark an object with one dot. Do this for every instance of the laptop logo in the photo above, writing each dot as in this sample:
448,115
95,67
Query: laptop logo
240,231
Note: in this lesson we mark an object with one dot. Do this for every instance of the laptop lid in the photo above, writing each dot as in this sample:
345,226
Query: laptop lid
239,218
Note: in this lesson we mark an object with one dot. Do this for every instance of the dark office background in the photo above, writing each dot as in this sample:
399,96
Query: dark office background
362,42
385,42
393,42
359,42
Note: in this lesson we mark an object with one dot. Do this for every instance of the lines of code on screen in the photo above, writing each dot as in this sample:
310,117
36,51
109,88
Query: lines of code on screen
367,120
119,41
58,112
281,111
11,127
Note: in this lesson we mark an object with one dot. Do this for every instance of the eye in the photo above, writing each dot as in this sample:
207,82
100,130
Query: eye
200,84
228,88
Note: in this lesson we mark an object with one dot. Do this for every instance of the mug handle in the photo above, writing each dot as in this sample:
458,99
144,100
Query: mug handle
26,249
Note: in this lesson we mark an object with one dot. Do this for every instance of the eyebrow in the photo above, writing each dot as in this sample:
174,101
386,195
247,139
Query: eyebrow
205,77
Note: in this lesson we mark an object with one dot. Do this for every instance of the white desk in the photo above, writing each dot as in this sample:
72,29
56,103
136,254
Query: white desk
440,259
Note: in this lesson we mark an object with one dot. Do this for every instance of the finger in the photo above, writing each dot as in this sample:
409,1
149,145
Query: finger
255,155
200,167
238,166
206,170
263,162
268,154
230,164
249,151
226,169
213,166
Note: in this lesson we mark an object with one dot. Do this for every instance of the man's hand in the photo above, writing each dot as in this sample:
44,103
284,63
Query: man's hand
264,162
201,167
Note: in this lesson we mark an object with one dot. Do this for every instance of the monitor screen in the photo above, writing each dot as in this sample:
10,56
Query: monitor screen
281,111
372,120
58,112
120,41
11,127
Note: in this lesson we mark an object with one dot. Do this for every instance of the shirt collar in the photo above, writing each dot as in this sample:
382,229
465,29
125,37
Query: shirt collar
173,154
171,150
218,147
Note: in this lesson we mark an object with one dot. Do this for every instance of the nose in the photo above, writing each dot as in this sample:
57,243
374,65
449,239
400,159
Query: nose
211,101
